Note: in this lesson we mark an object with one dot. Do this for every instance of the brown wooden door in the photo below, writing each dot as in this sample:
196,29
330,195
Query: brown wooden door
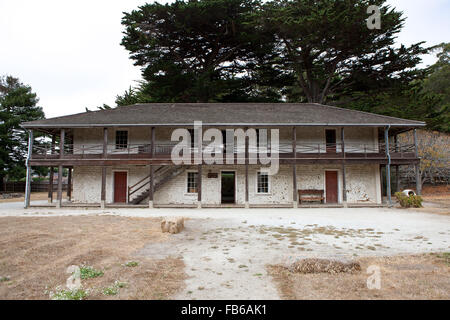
331,186
120,187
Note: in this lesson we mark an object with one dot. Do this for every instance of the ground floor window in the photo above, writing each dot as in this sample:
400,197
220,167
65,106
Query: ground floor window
192,182
263,182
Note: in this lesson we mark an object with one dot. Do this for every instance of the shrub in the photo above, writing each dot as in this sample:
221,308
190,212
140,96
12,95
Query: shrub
131,264
65,294
409,201
114,289
110,291
89,272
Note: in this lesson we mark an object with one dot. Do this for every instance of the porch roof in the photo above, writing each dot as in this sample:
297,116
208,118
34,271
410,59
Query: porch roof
223,114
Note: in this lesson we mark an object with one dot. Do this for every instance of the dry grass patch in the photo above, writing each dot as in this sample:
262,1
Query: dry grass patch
34,196
36,252
306,266
403,277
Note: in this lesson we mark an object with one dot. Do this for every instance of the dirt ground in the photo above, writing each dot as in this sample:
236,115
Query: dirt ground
402,277
437,194
436,199
34,196
36,252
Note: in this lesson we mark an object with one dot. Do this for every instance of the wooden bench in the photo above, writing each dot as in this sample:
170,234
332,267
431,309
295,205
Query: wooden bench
310,196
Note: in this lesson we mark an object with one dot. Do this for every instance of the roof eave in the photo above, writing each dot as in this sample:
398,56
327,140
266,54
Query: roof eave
409,125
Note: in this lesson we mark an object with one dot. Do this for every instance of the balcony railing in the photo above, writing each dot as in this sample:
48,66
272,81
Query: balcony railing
285,150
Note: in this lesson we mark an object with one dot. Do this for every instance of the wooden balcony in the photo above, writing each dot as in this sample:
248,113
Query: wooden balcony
141,154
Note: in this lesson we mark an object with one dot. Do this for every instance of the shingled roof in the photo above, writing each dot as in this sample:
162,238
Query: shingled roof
222,114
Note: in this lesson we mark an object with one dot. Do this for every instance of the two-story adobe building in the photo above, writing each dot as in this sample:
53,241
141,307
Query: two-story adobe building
327,155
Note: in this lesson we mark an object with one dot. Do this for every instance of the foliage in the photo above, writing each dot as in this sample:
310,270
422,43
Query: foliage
89,272
192,51
409,201
283,51
131,264
114,289
17,104
425,99
445,256
110,291
328,48
434,151
66,294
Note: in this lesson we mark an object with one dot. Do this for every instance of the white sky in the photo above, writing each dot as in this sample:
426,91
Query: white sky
70,53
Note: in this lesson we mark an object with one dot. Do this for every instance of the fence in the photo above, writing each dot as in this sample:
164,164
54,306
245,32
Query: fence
19,186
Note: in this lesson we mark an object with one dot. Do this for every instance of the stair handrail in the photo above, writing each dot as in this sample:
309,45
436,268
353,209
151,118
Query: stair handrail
147,179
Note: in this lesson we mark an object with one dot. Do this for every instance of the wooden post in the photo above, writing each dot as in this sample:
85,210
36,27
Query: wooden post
59,194
199,186
69,184
397,178
344,183
381,182
417,166
62,138
105,142
294,168
60,167
388,166
247,205
103,190
28,179
344,179
105,155
52,171
152,169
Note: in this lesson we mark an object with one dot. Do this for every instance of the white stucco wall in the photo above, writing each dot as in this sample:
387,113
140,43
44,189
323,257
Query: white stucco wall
363,184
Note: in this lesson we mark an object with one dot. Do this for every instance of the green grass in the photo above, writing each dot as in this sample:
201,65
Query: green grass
88,272
4,279
64,294
110,291
131,264
114,289
445,256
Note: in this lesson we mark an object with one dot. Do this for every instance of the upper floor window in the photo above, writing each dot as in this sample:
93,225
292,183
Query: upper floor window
192,182
121,139
330,139
262,182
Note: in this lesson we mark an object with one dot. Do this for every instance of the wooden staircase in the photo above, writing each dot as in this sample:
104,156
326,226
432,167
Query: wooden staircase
161,175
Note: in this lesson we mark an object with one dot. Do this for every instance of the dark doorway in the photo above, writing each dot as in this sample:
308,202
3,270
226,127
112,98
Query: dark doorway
331,186
228,187
120,187
330,136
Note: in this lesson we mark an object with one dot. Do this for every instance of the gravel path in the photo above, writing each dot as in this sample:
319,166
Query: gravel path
226,251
